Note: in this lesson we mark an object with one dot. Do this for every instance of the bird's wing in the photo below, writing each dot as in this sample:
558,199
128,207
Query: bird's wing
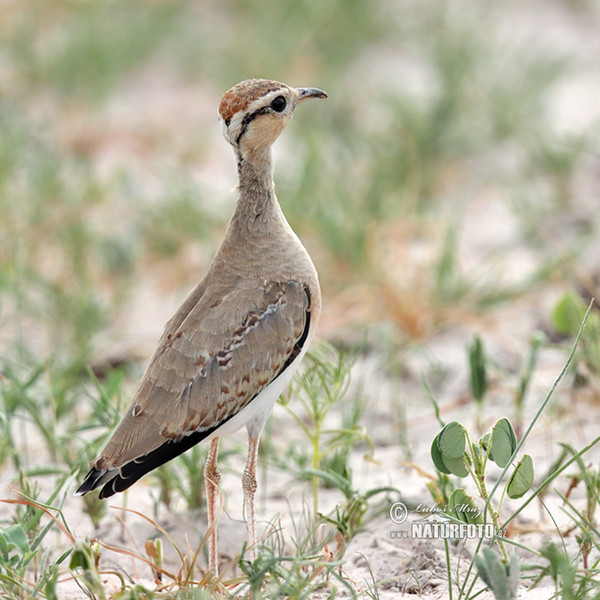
208,366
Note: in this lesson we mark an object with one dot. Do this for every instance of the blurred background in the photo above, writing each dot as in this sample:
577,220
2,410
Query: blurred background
449,185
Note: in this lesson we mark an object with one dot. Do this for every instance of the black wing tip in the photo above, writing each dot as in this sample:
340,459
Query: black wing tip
119,479
111,483
92,480
118,483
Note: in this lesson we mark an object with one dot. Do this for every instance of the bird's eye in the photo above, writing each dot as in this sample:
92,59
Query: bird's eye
278,104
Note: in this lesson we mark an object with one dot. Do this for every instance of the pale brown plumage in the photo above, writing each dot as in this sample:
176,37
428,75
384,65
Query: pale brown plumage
206,368
233,345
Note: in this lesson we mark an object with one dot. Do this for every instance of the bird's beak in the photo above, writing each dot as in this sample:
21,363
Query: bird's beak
306,93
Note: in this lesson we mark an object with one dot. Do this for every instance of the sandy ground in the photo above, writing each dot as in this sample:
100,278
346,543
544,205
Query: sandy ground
396,408
399,418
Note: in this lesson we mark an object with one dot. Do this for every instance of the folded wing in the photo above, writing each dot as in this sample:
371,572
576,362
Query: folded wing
202,373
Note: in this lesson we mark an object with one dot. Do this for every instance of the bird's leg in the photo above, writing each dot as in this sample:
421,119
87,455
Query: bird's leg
211,481
249,487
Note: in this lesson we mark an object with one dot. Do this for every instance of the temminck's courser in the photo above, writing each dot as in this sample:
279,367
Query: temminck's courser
233,346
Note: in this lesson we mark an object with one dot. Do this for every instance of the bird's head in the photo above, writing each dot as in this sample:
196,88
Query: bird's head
254,112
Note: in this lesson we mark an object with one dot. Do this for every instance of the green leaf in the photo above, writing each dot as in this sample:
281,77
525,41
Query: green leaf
501,578
4,548
568,313
50,579
16,536
501,450
447,465
522,478
448,450
81,558
485,440
461,505
477,364
452,440
436,457
456,466
561,568
504,442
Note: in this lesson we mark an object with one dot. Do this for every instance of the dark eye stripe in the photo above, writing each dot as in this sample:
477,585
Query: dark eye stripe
248,119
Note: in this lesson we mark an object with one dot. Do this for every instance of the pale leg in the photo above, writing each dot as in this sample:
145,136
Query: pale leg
249,487
211,481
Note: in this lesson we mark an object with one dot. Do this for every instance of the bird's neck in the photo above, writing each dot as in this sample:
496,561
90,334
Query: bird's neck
259,236
257,208
255,178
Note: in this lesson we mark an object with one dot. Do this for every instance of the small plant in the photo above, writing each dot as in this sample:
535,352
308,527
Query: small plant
501,578
309,569
478,375
478,362
585,520
85,559
26,568
320,387
566,318
453,453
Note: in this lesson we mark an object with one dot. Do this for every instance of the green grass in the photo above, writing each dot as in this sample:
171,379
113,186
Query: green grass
30,567
432,114
83,52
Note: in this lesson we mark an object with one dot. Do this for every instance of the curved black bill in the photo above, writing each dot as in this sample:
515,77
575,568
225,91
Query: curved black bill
306,93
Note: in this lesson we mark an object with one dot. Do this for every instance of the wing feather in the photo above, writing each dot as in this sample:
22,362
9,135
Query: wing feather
205,370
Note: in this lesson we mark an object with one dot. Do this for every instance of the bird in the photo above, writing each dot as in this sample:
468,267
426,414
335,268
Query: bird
234,344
